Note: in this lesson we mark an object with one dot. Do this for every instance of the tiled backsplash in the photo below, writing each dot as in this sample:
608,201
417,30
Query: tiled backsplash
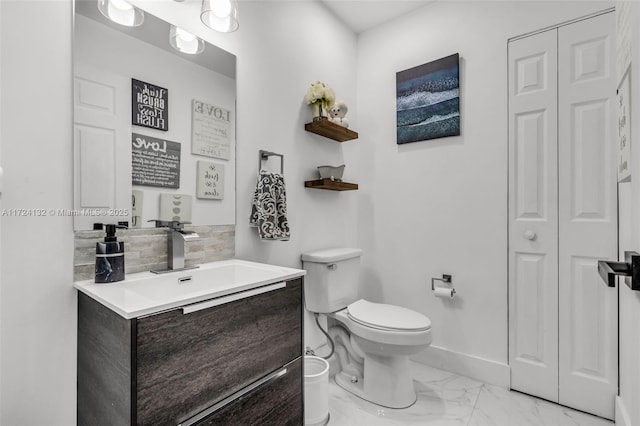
146,249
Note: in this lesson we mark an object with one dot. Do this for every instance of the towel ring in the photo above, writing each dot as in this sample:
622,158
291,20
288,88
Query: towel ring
264,156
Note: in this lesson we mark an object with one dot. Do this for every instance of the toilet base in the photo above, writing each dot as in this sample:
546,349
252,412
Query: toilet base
324,422
387,381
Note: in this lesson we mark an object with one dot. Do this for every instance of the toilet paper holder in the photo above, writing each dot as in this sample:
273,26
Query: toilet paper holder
445,279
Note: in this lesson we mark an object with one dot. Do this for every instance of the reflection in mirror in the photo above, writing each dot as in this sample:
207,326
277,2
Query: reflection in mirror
154,128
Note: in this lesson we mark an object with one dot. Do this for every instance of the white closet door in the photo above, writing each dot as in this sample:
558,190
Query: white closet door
588,327
102,145
533,212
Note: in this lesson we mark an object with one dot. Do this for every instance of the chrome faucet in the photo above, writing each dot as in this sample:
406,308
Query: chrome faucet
175,247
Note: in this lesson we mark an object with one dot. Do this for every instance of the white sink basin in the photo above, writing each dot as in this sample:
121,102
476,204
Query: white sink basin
145,293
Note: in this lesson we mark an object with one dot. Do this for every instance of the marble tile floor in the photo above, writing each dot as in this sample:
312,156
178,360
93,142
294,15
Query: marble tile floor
448,399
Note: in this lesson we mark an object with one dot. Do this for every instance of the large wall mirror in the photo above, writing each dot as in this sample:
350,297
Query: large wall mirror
154,128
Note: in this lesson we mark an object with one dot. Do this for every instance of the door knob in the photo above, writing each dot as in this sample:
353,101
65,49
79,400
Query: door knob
529,235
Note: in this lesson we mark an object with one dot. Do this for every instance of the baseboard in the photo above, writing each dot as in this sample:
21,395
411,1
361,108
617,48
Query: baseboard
484,370
622,415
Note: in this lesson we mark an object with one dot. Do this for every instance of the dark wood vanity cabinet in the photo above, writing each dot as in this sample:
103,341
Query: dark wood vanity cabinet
236,363
271,403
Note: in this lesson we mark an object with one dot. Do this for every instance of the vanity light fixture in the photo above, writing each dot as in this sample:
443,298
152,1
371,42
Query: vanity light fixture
121,12
220,15
185,42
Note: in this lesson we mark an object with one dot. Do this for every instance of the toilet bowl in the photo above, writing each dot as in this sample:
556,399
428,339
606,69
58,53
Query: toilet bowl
384,336
373,341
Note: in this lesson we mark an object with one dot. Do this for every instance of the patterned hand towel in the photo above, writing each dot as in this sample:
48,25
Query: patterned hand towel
269,209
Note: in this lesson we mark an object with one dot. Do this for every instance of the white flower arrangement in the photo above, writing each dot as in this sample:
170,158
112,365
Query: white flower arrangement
321,94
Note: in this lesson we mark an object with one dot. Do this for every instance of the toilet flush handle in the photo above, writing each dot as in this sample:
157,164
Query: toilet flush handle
332,266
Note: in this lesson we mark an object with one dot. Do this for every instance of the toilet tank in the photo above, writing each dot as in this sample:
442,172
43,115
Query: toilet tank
332,278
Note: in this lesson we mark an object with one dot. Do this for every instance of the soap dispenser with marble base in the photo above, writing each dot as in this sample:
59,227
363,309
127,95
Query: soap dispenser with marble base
110,257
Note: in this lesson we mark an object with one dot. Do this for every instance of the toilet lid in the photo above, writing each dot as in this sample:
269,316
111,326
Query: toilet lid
379,315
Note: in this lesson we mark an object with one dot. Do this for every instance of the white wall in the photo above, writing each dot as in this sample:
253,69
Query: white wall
627,406
289,46
440,207
0,208
281,46
38,303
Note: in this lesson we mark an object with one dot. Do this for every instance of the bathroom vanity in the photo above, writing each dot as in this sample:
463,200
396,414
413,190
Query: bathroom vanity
221,344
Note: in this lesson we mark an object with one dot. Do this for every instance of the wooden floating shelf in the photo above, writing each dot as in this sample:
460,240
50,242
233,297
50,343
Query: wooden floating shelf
331,185
323,127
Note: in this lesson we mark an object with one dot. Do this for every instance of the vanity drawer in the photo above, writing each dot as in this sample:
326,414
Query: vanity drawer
276,402
186,363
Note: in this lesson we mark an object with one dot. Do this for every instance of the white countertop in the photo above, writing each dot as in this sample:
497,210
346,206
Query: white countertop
146,293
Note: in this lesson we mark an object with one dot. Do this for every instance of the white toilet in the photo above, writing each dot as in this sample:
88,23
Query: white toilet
373,341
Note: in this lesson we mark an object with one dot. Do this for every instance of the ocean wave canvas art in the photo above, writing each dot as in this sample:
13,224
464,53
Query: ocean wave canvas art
428,101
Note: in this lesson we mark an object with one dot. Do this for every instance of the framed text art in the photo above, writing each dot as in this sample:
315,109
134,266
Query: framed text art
210,130
210,184
149,105
155,162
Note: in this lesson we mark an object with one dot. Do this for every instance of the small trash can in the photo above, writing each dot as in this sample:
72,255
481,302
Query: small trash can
316,391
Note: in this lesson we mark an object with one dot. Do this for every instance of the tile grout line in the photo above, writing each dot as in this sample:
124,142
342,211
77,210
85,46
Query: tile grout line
473,410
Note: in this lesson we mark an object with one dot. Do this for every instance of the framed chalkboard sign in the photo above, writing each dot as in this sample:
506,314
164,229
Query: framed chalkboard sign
149,105
155,162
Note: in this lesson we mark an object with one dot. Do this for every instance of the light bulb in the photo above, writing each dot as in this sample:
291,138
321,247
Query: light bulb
184,35
221,8
220,15
121,5
121,12
185,42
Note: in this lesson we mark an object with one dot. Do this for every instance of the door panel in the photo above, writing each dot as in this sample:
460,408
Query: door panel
102,152
589,184
562,215
529,300
533,237
529,167
588,345
97,165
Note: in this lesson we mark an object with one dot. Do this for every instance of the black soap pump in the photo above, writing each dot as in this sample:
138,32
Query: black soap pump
110,257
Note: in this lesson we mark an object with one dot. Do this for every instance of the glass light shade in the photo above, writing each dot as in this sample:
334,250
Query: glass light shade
220,15
185,42
121,12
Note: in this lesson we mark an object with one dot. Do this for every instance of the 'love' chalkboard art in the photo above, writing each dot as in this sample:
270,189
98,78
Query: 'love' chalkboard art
149,105
155,162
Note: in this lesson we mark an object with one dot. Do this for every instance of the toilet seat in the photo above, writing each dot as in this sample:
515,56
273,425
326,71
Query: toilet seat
387,317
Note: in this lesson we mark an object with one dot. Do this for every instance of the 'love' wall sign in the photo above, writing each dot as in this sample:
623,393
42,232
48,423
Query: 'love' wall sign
210,130
155,162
